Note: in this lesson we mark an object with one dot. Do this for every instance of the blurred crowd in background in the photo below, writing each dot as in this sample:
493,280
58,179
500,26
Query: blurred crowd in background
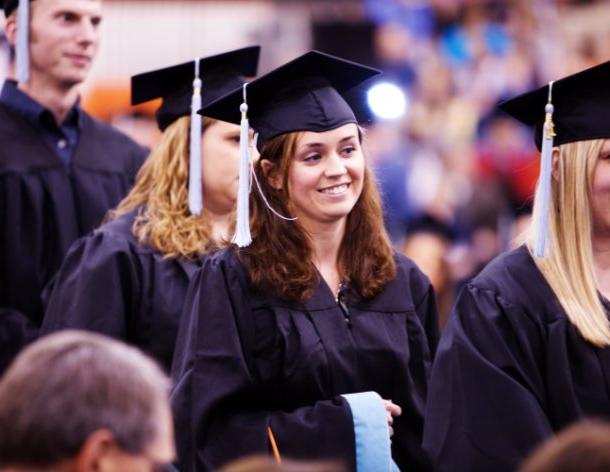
456,175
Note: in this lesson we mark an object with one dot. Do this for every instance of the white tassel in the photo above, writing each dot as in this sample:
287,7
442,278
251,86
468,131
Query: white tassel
260,190
22,51
195,173
271,209
242,236
544,181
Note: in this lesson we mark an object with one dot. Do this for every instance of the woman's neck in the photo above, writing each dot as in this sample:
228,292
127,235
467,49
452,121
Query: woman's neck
220,224
601,262
326,241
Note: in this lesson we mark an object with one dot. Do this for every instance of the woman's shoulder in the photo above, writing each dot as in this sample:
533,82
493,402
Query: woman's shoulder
120,227
514,267
225,256
224,260
406,267
408,271
404,292
513,279
119,233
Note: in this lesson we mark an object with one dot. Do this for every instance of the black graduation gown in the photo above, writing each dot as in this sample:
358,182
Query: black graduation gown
45,206
246,360
112,284
510,371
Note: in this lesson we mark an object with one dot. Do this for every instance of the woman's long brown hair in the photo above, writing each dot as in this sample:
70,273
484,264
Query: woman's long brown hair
280,259
160,194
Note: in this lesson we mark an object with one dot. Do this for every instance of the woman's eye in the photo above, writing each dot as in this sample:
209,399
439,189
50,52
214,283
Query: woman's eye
234,139
312,157
348,150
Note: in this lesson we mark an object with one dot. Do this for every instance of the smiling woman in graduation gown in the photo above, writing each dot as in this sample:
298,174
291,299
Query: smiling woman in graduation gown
128,279
283,343
526,350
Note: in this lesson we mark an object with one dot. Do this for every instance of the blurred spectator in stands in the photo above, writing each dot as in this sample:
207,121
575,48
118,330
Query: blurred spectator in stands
428,243
268,464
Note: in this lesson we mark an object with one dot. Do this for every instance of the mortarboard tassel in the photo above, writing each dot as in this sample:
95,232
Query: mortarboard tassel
195,177
262,194
22,52
242,236
546,165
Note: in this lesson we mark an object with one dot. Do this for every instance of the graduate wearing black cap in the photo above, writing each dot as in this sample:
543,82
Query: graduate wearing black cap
60,169
311,337
526,350
128,279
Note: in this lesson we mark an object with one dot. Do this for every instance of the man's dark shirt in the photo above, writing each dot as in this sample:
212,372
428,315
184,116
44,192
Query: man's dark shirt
62,138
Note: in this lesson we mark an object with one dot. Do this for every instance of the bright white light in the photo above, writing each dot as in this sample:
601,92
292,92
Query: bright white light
387,101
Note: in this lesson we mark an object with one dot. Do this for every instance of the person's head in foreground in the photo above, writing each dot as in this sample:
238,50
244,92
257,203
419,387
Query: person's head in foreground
583,447
78,402
269,464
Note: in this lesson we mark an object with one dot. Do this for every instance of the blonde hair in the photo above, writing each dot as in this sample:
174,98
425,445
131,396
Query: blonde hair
568,263
160,194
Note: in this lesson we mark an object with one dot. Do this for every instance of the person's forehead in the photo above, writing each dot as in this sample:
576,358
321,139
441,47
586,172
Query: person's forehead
88,6
327,137
221,127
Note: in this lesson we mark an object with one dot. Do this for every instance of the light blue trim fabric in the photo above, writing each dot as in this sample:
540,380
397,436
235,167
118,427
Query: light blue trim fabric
22,48
373,447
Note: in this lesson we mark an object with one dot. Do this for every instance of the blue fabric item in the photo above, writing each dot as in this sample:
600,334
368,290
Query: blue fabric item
373,447
63,138
22,48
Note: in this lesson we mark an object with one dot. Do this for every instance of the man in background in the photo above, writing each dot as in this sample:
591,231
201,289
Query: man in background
60,169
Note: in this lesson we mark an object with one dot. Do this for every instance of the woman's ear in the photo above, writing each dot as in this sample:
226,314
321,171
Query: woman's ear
556,164
10,29
270,173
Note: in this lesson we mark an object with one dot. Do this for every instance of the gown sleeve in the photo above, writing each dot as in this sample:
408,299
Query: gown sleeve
221,411
96,288
427,311
16,332
423,339
485,408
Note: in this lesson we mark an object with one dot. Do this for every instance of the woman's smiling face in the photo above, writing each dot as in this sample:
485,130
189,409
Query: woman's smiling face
326,175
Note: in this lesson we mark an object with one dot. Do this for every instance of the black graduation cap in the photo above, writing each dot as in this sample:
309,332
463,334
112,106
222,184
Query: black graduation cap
305,94
357,99
219,75
581,106
9,6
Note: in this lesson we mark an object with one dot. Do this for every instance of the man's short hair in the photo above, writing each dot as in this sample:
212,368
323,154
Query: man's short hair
66,386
